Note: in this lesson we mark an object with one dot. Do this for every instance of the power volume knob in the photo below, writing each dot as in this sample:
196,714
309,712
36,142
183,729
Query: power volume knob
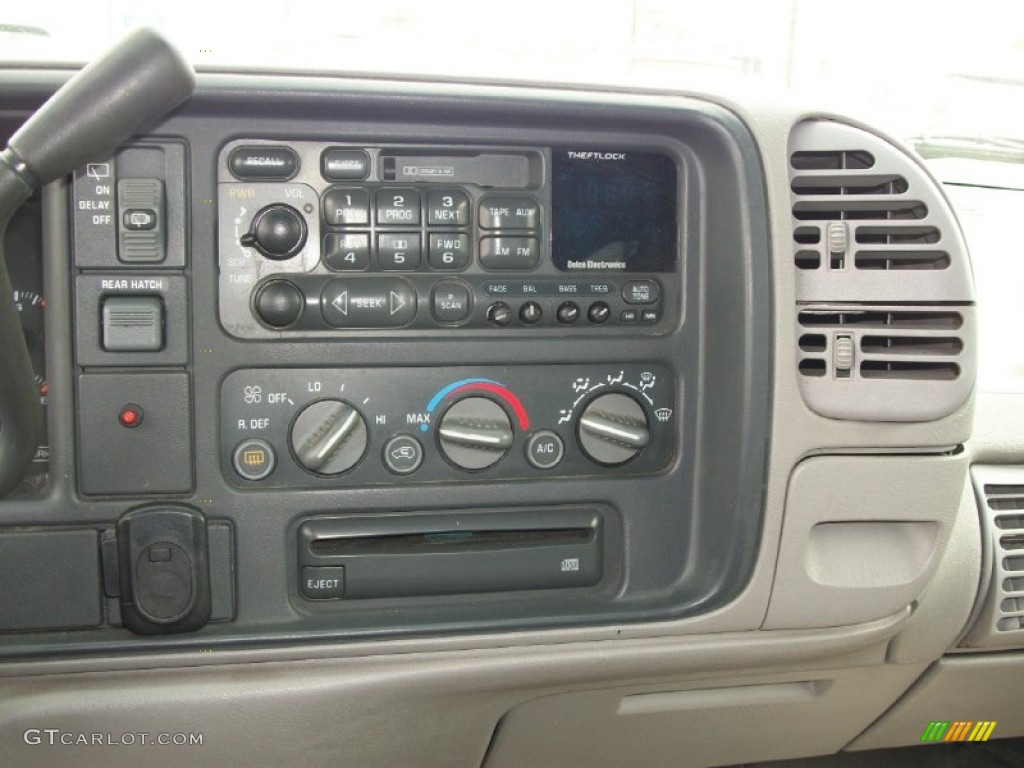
278,232
475,433
613,429
329,437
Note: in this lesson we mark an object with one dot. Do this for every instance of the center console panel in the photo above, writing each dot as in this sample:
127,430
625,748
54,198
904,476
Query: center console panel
477,365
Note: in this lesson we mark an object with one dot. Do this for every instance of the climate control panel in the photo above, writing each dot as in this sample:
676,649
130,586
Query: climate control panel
372,426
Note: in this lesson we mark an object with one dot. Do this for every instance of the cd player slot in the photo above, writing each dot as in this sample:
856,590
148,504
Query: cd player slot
449,554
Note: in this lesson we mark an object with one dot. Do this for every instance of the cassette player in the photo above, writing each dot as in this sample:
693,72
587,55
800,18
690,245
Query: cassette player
322,239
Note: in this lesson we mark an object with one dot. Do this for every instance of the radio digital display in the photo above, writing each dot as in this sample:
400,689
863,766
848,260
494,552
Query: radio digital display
613,211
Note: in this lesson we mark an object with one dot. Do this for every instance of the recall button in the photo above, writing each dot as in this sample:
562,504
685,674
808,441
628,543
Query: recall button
323,583
368,302
640,292
509,213
263,163
509,252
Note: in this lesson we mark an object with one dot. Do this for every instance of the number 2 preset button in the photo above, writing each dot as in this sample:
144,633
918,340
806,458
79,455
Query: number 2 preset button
398,207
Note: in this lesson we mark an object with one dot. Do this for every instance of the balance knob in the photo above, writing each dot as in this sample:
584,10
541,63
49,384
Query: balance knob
475,433
613,429
277,231
329,437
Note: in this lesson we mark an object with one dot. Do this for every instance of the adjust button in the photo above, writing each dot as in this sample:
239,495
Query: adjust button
509,213
368,302
509,252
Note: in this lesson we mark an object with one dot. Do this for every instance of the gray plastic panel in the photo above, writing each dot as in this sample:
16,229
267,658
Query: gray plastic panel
689,535
51,580
859,542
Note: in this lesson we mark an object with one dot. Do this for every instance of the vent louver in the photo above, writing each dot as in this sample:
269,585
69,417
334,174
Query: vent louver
883,283
1000,492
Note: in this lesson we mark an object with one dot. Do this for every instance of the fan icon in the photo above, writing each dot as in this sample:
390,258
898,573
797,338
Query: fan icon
253,395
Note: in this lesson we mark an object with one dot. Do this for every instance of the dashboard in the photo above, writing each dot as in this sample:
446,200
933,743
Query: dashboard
465,424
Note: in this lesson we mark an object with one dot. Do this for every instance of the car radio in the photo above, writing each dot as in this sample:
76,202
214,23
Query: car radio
319,239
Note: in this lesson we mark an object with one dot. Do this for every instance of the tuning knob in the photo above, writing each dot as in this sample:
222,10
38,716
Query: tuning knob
613,429
475,433
277,231
329,437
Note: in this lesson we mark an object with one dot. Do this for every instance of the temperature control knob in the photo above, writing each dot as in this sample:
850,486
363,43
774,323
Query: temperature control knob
329,437
278,232
475,433
613,429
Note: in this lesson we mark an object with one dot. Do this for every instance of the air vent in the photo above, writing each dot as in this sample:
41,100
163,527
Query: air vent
999,620
883,283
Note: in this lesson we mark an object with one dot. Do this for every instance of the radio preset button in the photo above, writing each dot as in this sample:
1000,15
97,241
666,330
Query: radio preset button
509,213
346,207
367,302
344,164
279,303
531,313
568,313
499,313
447,209
348,252
640,292
451,302
448,251
509,252
398,207
399,251
263,163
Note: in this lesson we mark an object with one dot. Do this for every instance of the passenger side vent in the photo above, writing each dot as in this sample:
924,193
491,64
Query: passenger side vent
883,283
1000,620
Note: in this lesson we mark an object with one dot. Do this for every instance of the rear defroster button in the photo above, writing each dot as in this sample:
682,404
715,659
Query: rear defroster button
253,459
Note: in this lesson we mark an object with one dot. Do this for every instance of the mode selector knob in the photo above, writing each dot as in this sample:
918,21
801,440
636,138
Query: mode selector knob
475,433
277,231
329,437
613,429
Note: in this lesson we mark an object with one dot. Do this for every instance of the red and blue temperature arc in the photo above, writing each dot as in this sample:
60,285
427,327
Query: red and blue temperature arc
489,386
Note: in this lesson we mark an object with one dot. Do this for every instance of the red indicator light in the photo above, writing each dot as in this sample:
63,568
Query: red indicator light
130,416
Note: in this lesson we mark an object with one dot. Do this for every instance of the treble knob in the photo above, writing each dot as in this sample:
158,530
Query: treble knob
277,231
613,429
